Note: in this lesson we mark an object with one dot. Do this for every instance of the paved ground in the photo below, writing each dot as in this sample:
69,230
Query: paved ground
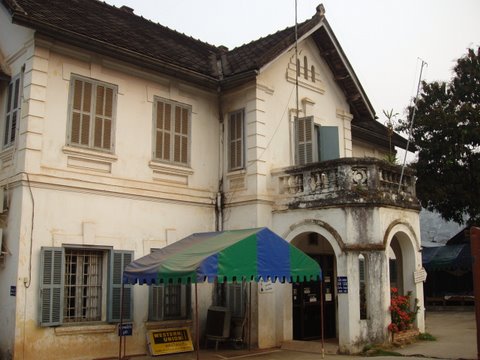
455,333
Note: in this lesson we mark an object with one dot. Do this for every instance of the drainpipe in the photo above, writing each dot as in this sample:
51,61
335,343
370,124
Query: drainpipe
219,199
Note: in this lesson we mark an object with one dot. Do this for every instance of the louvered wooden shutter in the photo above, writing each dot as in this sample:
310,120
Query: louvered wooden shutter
236,140
155,303
118,261
304,140
328,143
52,272
180,140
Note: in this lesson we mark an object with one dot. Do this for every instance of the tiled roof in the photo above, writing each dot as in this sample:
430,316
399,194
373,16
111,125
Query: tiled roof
254,55
97,23
119,33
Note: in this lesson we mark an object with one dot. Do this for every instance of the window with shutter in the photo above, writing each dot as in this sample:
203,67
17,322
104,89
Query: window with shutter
172,132
169,302
236,298
232,296
73,285
118,261
304,140
51,286
12,115
92,115
236,140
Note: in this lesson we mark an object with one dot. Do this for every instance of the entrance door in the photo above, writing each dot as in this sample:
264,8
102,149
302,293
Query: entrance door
306,304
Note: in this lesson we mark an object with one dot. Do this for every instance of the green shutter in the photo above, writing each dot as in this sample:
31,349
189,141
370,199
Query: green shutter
52,273
329,143
304,131
118,261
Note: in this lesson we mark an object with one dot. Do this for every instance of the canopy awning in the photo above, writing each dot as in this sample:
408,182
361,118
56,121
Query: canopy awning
234,255
449,257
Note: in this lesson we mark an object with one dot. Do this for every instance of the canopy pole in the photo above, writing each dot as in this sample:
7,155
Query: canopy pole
249,315
197,327
121,322
321,317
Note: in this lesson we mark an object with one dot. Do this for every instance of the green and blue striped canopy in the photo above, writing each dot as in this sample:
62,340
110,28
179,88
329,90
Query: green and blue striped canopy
226,256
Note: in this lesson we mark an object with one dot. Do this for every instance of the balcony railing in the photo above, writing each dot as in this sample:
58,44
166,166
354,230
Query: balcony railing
344,182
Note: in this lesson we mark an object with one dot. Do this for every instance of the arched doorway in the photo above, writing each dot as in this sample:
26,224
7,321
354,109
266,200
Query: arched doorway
306,297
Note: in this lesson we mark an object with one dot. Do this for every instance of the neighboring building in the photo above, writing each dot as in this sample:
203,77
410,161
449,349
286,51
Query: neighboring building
450,272
120,136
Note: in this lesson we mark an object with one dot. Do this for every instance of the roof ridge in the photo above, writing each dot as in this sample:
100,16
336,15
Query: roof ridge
154,23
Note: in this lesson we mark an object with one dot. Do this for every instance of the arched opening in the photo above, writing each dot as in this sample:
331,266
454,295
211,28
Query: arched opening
402,263
306,297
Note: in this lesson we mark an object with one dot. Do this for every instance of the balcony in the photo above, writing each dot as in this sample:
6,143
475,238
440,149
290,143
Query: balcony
345,182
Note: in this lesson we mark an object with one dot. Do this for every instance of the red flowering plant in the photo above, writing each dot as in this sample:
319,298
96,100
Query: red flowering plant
402,313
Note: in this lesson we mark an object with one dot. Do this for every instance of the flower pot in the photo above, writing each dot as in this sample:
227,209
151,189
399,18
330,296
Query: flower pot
405,336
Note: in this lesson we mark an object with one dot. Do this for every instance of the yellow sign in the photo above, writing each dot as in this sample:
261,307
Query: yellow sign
169,341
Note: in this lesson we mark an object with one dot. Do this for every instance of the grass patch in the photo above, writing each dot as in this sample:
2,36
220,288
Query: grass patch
426,337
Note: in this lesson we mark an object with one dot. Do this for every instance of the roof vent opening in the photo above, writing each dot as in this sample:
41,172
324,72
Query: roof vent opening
127,9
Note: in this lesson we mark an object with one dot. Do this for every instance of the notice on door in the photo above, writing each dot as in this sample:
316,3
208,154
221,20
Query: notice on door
169,341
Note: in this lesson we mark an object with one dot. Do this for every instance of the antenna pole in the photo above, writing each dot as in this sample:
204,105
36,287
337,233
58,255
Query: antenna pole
297,65
411,124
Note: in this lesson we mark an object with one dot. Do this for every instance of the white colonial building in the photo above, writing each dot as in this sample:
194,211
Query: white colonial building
120,136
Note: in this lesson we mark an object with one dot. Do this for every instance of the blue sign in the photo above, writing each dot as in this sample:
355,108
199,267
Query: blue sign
13,290
125,329
342,285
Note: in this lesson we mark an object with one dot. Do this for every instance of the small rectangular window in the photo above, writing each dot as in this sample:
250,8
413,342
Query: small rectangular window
236,140
92,114
169,302
12,114
172,132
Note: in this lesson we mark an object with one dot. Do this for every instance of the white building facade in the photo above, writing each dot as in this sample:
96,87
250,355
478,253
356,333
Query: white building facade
110,151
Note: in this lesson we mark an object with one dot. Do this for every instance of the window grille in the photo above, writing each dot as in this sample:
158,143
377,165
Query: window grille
83,285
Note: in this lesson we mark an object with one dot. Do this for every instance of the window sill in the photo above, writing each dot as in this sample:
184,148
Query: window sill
85,329
170,173
87,159
6,156
151,325
236,179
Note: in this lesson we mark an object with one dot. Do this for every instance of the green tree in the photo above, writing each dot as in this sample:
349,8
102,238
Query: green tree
446,135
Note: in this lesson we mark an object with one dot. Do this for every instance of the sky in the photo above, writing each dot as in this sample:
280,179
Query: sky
384,40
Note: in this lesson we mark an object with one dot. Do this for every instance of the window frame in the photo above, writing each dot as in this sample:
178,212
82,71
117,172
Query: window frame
95,84
53,285
171,132
239,140
13,93
156,309
314,142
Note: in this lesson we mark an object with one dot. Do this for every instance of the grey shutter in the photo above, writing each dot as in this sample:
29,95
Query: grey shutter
304,140
52,273
328,143
155,303
118,261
